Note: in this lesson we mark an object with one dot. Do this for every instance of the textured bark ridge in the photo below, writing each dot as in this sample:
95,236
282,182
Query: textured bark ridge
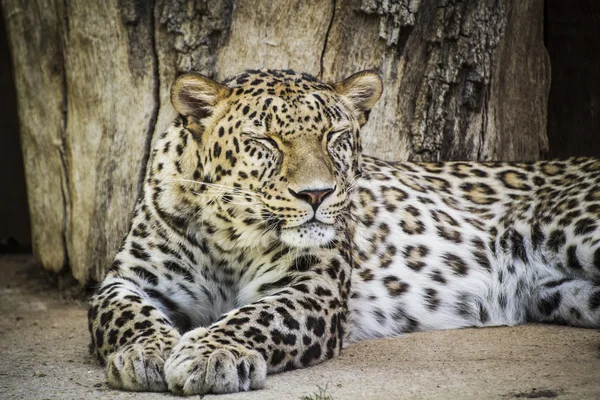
463,80
453,57
456,81
394,15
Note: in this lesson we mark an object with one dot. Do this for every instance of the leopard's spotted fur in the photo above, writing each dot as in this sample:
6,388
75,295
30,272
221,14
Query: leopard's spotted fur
264,240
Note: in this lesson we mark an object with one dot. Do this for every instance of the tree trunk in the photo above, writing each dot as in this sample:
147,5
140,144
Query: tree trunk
463,80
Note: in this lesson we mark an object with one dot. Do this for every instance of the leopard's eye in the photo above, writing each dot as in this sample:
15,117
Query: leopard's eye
270,141
264,140
333,136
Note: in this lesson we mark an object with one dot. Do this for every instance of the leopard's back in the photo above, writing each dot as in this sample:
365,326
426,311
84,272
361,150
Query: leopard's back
451,244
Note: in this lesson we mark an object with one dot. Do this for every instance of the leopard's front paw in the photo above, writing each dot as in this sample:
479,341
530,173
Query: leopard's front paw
139,366
199,364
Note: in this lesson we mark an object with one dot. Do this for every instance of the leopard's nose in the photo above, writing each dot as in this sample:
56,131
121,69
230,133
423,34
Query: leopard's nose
314,197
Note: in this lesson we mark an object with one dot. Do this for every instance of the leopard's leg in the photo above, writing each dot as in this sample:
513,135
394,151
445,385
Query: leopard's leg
568,301
131,335
299,321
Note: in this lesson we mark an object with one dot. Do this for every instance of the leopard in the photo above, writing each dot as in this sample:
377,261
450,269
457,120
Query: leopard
265,241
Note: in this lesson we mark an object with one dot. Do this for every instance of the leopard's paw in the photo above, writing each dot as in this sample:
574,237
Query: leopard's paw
139,366
199,365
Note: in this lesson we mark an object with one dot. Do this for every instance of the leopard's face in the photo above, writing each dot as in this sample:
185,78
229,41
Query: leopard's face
296,160
283,148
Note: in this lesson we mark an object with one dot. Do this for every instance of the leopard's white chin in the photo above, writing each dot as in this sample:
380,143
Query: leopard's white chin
311,234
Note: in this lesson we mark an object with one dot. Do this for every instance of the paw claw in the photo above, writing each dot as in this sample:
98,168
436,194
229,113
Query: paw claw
193,369
136,367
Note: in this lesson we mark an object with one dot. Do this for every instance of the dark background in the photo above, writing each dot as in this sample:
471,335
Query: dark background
14,215
572,36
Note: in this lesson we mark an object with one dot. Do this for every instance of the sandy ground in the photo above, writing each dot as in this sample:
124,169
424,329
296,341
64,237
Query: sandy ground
44,340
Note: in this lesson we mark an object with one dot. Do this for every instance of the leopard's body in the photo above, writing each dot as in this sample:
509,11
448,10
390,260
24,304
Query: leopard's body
267,240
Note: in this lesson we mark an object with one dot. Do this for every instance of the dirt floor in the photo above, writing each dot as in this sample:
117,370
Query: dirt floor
44,340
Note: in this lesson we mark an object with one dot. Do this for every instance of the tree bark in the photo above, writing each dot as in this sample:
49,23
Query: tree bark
463,80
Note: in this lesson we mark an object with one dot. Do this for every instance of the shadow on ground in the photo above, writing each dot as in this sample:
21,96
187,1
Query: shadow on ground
44,341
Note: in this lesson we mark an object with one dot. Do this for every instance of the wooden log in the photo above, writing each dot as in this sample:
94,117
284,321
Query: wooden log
35,38
463,80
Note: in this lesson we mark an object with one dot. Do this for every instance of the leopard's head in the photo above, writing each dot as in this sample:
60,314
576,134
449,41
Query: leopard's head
279,150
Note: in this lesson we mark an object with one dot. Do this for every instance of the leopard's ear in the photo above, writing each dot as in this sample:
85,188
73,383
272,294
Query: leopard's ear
196,95
363,89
